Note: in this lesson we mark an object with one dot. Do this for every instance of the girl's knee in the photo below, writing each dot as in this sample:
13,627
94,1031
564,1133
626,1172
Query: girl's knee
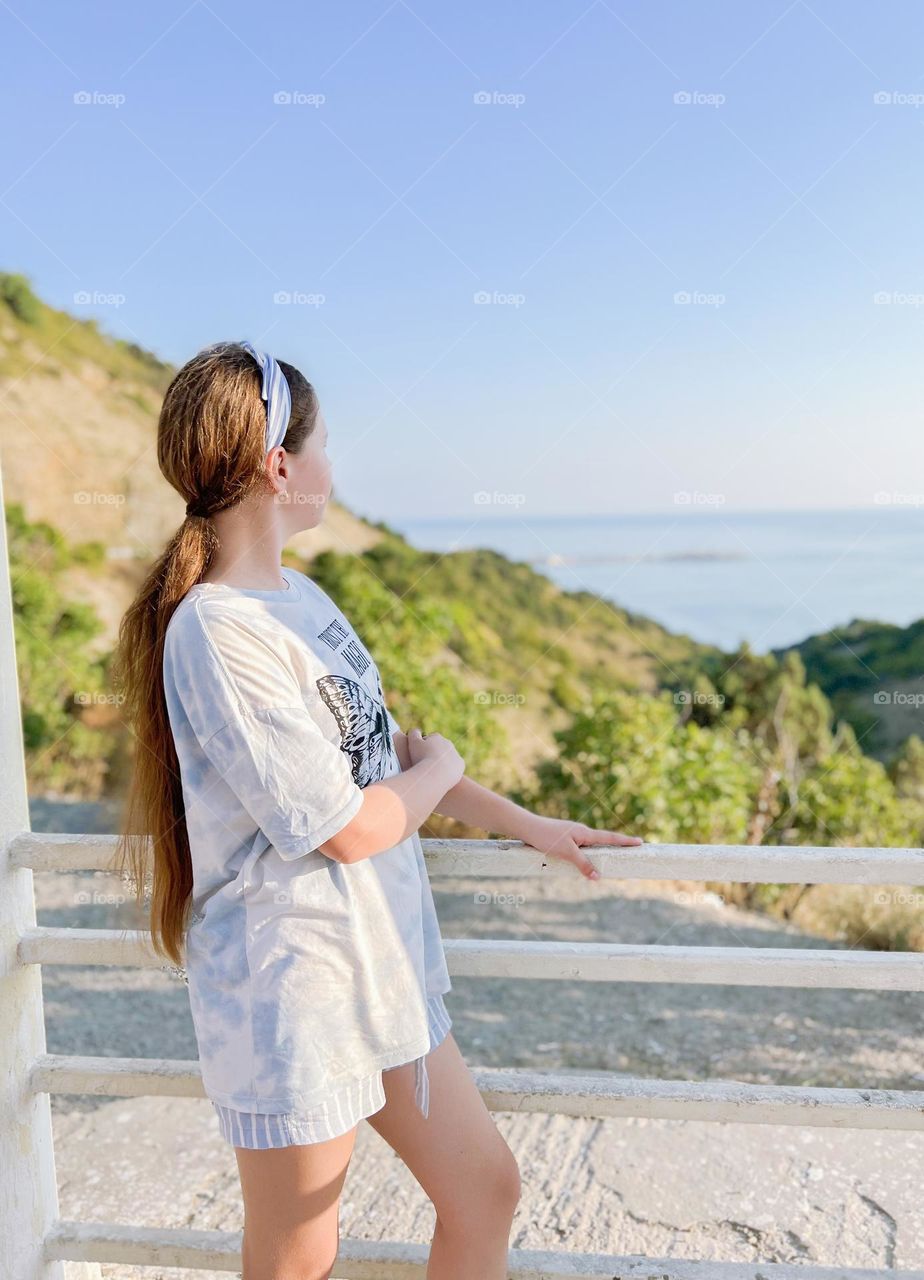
295,1261
508,1181
492,1192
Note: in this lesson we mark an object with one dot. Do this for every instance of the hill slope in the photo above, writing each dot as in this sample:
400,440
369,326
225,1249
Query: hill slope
873,674
77,434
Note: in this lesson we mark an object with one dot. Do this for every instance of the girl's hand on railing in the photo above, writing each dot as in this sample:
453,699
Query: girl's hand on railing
560,838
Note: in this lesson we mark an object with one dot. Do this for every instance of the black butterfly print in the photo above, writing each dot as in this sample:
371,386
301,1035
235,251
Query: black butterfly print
364,731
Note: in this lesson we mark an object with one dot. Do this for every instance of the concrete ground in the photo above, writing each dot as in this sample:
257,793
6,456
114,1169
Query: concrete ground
728,1192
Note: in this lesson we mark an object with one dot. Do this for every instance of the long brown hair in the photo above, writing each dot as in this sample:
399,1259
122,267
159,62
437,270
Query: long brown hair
211,448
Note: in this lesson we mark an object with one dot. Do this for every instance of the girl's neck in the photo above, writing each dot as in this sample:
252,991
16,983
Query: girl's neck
246,557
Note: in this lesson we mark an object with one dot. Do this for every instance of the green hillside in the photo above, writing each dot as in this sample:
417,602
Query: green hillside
32,327
873,675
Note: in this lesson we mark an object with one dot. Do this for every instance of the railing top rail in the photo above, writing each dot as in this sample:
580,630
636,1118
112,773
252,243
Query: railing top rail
756,864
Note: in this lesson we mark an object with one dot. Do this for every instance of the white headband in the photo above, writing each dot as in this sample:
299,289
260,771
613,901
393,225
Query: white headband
276,393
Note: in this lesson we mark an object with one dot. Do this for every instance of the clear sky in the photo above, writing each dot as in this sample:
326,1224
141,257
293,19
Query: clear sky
533,155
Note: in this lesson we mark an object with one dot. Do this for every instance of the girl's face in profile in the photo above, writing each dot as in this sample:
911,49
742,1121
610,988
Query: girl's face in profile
309,479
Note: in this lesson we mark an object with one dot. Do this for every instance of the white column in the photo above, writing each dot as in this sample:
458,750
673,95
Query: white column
28,1190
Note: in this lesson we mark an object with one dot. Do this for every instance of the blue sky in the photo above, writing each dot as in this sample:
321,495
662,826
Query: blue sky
577,199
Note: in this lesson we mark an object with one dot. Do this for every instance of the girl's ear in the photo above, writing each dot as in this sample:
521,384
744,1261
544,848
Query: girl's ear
276,465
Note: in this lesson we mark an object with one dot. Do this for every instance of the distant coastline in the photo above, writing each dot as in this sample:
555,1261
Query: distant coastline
559,558
769,578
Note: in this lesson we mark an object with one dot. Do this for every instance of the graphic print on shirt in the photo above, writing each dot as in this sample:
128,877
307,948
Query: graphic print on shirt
363,724
355,653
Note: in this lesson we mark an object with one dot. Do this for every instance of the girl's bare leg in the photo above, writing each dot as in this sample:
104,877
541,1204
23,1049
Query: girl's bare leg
461,1161
292,1208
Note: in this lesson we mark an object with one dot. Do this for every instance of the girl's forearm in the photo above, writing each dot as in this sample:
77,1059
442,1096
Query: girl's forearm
392,809
477,806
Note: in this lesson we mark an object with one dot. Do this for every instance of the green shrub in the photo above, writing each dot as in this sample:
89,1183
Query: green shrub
16,292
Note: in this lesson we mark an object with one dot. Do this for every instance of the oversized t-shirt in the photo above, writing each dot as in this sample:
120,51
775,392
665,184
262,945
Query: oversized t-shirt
305,974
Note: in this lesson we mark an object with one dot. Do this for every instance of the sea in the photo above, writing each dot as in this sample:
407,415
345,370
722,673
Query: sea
769,578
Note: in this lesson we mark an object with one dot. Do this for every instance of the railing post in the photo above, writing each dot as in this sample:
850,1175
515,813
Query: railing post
28,1189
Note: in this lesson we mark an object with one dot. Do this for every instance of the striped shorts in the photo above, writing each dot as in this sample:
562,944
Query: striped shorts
339,1112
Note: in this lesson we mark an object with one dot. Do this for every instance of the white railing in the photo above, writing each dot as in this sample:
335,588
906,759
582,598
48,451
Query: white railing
503,1090
34,1242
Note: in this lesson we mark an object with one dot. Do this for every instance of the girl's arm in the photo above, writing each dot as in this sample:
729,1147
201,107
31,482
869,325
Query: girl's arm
473,804
393,808
477,806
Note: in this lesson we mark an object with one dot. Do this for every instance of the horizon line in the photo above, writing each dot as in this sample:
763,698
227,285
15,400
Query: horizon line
682,512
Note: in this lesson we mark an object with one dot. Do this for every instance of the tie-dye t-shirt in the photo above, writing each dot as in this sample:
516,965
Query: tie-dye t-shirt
304,973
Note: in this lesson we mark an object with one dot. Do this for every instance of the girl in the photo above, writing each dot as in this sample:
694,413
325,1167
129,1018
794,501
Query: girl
282,804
